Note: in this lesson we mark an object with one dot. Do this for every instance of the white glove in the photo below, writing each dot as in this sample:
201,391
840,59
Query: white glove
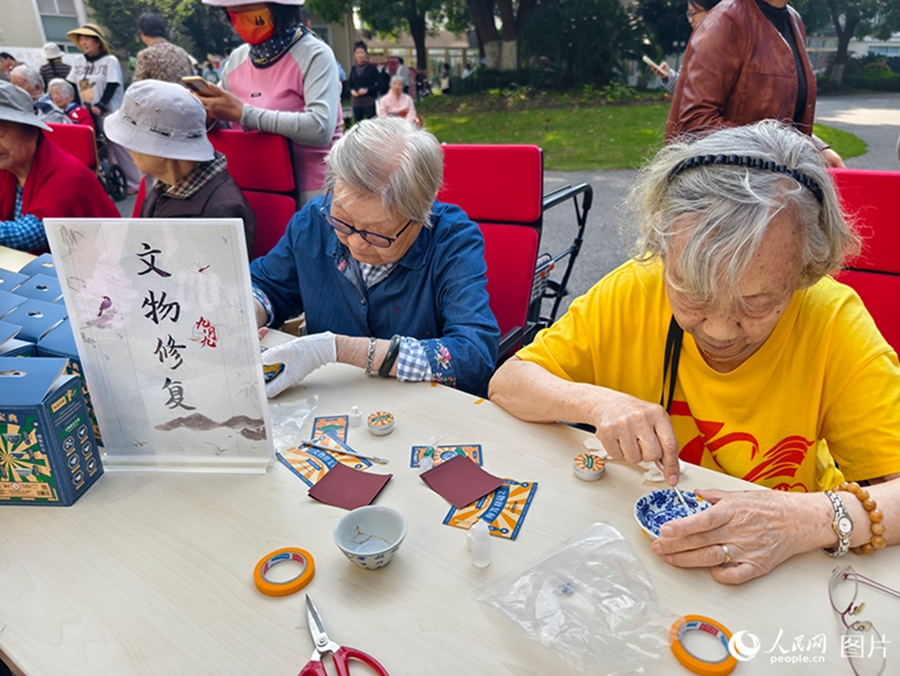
300,357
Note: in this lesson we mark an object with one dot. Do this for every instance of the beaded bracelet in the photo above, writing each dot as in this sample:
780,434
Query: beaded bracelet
875,516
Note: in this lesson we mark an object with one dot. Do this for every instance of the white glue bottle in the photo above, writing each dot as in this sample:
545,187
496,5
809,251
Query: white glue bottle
481,544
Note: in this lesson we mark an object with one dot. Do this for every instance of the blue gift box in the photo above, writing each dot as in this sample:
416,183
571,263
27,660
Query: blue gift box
42,265
9,302
48,453
10,346
36,317
40,287
59,342
9,280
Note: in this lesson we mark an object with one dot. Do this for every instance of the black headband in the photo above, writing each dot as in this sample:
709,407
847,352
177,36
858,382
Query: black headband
751,163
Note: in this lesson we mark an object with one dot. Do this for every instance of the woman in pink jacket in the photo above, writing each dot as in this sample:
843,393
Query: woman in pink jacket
283,80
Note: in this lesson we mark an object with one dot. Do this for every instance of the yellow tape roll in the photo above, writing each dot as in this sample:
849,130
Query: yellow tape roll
291,586
700,666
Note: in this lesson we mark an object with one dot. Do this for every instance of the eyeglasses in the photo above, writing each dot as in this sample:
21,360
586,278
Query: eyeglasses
842,592
373,238
690,15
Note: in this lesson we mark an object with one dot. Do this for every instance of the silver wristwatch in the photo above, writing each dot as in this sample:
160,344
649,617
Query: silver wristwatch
842,524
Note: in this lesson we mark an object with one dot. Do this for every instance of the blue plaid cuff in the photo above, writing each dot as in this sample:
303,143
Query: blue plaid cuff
265,302
412,361
24,234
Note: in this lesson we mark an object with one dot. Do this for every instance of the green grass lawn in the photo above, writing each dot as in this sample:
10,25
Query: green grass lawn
586,139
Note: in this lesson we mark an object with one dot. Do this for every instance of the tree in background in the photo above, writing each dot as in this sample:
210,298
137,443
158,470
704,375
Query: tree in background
393,17
501,45
667,28
197,28
584,41
850,18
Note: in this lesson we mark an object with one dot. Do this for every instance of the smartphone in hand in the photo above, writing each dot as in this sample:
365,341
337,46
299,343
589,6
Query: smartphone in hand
653,65
197,85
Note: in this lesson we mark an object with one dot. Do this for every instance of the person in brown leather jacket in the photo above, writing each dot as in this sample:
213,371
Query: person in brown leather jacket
746,62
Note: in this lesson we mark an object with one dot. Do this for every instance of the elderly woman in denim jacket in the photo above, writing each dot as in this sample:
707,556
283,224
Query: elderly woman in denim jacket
390,279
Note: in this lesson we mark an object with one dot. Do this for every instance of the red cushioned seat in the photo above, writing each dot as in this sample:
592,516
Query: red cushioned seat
870,199
256,160
500,187
76,139
275,211
879,293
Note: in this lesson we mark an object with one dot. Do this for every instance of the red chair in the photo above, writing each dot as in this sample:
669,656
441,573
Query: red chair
78,140
262,166
869,200
500,187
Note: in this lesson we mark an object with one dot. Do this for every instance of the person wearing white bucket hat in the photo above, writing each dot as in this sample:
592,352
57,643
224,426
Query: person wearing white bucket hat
38,179
284,80
54,67
164,127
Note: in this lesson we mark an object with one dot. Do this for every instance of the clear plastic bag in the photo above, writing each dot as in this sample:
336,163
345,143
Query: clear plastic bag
288,420
590,598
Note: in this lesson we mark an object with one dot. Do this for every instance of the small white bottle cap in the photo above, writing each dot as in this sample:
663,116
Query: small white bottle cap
355,417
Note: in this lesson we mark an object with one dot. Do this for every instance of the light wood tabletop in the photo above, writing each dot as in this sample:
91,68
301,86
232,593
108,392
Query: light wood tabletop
151,573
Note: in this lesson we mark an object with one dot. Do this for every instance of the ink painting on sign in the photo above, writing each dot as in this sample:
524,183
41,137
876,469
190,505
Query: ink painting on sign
162,314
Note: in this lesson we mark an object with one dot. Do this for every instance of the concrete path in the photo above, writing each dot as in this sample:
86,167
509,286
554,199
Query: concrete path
875,118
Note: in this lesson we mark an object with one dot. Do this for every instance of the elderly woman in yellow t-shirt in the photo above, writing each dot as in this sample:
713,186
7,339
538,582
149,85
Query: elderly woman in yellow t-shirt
782,379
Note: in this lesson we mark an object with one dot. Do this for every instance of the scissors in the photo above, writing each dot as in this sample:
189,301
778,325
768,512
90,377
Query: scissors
324,645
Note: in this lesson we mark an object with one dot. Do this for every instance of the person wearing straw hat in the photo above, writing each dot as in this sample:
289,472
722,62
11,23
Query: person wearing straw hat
284,81
54,68
38,179
164,127
99,86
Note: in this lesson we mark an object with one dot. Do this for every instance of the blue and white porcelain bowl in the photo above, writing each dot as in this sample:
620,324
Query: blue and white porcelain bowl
370,536
658,507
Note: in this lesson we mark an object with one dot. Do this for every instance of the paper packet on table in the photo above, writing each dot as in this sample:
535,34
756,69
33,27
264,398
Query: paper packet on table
504,509
311,464
444,452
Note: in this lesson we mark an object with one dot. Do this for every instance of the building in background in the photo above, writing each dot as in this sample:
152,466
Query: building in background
27,25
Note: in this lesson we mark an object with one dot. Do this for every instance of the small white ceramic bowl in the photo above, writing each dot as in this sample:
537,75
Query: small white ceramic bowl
370,536
658,507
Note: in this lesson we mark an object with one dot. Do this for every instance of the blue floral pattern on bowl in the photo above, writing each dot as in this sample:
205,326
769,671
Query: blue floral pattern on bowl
654,509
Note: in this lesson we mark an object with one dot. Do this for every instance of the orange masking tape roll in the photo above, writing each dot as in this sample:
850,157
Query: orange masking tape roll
699,665
270,588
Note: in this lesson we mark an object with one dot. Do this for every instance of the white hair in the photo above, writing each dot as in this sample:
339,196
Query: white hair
391,157
728,208
33,78
67,89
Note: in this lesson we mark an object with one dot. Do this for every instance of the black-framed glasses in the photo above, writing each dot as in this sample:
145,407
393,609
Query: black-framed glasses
373,238
858,634
690,15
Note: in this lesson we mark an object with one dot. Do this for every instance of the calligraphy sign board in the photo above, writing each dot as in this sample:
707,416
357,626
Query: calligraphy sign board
162,314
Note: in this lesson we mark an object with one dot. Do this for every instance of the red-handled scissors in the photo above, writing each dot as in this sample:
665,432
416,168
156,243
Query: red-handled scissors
324,645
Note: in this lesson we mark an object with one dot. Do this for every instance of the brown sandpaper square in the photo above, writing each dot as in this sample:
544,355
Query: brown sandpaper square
345,487
460,481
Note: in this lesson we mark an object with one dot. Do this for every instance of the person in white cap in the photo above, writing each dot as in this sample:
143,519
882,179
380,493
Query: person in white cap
54,67
38,179
97,77
164,127
284,81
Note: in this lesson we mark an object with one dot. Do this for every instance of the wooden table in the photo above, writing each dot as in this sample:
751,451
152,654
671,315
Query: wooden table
151,573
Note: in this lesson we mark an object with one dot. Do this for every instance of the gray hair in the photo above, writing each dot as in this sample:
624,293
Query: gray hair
33,78
389,156
65,85
396,78
728,208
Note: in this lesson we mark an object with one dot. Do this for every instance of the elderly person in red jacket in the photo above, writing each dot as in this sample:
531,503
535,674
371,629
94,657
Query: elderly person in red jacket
745,63
38,179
